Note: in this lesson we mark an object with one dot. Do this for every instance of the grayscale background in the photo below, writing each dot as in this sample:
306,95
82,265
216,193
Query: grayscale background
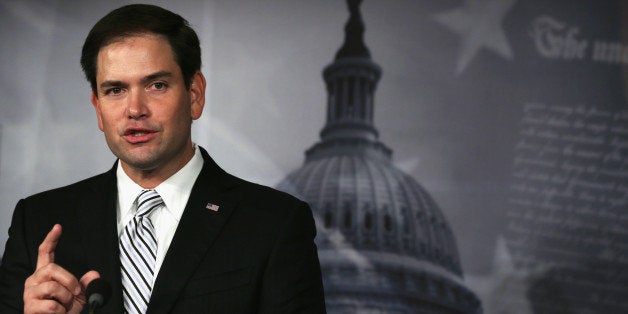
476,97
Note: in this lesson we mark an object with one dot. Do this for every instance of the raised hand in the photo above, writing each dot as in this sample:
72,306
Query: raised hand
51,288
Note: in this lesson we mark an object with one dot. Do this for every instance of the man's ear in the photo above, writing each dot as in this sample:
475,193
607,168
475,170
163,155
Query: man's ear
197,95
96,104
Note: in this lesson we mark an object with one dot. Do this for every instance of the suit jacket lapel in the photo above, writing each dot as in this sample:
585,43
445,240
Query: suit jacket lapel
197,230
97,215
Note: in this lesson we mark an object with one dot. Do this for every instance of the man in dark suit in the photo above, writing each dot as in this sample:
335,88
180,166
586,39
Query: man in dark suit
219,244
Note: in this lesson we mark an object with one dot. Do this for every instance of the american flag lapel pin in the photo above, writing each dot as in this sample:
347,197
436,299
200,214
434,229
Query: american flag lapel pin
212,207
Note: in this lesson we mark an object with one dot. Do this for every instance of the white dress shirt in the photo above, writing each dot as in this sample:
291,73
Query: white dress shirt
174,191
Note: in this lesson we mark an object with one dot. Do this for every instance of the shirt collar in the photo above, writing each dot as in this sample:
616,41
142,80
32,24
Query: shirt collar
174,191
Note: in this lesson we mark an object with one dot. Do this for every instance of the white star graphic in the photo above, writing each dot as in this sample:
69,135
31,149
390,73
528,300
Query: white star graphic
478,22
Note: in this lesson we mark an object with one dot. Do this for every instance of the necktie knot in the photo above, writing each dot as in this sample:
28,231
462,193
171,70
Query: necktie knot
147,201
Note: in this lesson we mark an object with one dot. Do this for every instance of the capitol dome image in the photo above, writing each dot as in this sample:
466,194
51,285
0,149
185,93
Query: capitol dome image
383,242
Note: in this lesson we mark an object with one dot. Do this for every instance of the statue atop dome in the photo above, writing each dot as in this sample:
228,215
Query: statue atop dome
354,34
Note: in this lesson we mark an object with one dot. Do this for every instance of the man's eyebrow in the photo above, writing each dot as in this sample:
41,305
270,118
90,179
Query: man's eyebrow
107,84
156,75
146,79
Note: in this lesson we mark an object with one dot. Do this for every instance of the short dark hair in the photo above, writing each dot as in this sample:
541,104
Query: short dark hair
137,19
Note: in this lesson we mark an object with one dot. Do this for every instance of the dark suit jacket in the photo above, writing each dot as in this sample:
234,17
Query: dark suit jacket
256,254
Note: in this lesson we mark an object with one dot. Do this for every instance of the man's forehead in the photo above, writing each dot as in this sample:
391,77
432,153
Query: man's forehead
138,65
130,37
129,50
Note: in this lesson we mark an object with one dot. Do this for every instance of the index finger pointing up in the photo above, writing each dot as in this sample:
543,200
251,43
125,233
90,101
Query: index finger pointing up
46,253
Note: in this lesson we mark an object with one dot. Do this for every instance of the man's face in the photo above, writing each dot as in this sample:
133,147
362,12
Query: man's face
143,105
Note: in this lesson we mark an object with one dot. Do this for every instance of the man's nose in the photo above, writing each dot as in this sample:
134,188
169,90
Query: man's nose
136,105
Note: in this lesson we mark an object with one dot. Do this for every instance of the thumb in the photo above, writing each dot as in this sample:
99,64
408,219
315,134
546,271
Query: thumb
79,300
87,278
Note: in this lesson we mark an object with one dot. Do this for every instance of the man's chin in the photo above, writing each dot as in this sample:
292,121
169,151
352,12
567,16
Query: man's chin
140,163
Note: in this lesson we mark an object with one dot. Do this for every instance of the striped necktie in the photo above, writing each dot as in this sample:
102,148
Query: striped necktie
138,249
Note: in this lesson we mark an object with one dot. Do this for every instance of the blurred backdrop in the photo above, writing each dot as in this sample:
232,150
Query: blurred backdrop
508,117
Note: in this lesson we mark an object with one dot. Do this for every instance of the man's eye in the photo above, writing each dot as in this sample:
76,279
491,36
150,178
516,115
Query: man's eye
113,91
159,85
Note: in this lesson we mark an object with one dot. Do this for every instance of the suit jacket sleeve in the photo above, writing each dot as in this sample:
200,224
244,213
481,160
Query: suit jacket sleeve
17,265
292,280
